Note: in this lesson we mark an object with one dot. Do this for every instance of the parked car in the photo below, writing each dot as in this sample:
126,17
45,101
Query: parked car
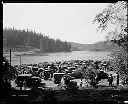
22,78
76,75
35,71
34,81
57,77
47,74
101,75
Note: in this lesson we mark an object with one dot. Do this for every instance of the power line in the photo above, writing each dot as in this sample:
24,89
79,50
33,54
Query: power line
70,30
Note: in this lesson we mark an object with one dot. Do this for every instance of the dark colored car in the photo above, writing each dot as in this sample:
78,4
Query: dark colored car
57,77
30,80
75,75
47,74
101,75
35,71
22,78
34,81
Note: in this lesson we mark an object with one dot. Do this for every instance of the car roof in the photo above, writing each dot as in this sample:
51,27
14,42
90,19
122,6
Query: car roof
58,73
25,75
41,68
35,77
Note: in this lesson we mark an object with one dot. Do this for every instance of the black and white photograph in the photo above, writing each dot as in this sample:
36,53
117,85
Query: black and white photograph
64,52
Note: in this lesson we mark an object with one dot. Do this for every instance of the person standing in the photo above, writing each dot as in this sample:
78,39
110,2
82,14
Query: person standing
62,82
24,84
21,85
110,80
67,78
13,83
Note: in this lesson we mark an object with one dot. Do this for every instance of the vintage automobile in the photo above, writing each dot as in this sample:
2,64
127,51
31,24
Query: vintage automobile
35,71
22,78
101,75
30,80
34,81
76,75
57,77
47,74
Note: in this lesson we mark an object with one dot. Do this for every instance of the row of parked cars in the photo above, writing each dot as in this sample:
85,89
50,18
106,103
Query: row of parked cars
27,80
54,70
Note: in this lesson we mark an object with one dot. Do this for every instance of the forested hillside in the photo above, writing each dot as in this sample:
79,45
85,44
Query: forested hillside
13,38
99,46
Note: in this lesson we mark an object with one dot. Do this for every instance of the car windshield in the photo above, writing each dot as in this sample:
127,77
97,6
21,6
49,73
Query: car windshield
58,76
35,69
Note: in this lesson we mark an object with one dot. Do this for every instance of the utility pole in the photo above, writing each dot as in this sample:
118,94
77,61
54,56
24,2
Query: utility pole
10,60
10,57
20,61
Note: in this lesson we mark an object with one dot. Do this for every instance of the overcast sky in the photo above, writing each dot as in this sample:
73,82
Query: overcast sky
57,20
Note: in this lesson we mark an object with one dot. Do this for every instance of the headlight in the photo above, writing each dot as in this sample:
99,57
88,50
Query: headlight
125,101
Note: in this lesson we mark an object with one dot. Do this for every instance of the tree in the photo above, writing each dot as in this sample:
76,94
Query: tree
114,18
89,74
13,38
7,71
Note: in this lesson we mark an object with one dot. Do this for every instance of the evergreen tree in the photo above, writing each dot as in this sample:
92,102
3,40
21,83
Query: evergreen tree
13,38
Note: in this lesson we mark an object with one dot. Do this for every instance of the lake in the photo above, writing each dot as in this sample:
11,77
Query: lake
60,56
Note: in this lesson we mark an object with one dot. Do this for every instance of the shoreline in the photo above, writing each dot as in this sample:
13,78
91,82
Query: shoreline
59,56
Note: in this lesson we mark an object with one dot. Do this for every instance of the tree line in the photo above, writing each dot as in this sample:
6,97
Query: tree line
116,14
13,38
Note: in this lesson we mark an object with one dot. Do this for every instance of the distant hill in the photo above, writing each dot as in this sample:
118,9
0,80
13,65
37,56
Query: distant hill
99,46
27,40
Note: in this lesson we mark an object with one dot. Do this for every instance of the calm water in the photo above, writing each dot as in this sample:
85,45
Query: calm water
62,56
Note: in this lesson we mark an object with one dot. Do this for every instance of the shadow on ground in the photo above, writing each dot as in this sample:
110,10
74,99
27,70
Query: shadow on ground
56,96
